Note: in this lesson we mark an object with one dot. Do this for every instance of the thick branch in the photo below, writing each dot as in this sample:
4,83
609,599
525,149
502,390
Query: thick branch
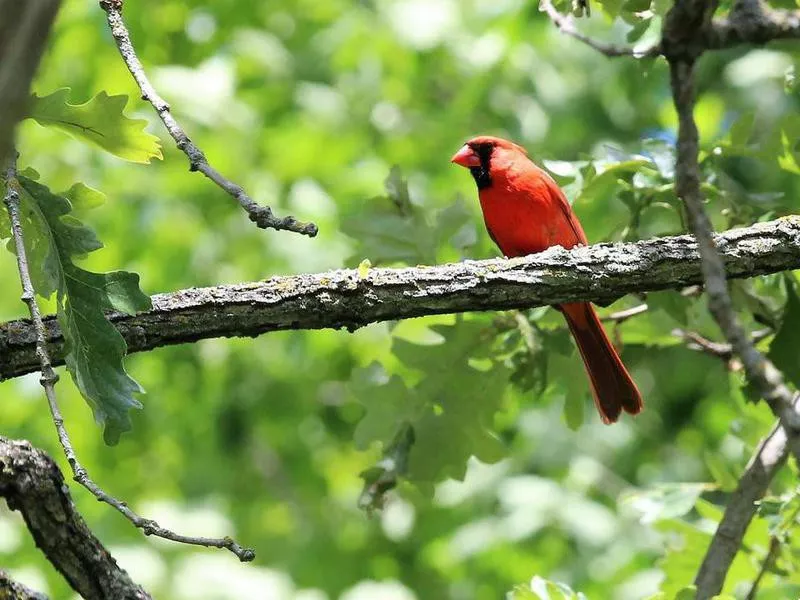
343,299
753,22
262,216
31,483
24,28
13,590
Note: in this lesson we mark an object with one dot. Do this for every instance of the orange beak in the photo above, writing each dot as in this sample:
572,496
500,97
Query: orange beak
466,157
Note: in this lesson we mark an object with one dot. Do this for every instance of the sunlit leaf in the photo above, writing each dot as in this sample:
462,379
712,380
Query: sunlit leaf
666,501
721,472
100,121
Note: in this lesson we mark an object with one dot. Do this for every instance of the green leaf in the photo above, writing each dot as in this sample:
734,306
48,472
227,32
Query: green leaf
392,229
544,589
742,130
459,426
83,198
687,593
672,303
99,121
783,348
682,558
666,501
388,402
721,472
450,409
635,6
95,349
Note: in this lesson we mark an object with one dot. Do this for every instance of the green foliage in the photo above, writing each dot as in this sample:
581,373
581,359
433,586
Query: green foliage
100,121
95,349
393,229
542,589
452,401
309,105
783,349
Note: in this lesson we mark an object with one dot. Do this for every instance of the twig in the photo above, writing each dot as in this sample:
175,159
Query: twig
337,299
682,40
722,350
621,316
262,216
49,379
565,24
766,565
769,457
761,372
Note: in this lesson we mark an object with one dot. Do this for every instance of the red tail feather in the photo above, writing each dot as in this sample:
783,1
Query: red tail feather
612,386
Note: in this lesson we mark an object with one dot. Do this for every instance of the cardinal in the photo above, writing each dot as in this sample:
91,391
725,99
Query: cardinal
525,212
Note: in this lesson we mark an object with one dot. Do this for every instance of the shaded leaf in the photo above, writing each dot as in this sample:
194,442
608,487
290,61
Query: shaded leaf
95,349
783,348
450,409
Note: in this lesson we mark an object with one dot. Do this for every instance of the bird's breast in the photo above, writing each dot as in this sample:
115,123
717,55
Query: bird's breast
520,223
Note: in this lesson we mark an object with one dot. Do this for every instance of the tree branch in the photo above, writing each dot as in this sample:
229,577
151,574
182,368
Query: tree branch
24,29
766,565
12,590
32,483
688,27
753,22
262,216
769,457
342,298
565,25
49,378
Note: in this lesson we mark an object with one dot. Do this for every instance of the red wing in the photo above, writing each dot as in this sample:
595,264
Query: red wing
560,200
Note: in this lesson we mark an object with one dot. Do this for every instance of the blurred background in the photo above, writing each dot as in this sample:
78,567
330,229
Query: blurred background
309,105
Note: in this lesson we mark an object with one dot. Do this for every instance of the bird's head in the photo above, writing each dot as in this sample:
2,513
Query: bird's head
485,156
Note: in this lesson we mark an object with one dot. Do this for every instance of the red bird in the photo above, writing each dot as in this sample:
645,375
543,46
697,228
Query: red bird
525,212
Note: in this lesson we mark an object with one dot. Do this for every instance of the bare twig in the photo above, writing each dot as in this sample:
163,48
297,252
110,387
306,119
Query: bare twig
722,350
49,379
337,299
621,316
769,457
766,565
566,25
686,31
262,216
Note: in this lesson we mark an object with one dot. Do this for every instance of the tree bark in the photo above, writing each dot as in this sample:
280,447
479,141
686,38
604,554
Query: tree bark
33,484
347,299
